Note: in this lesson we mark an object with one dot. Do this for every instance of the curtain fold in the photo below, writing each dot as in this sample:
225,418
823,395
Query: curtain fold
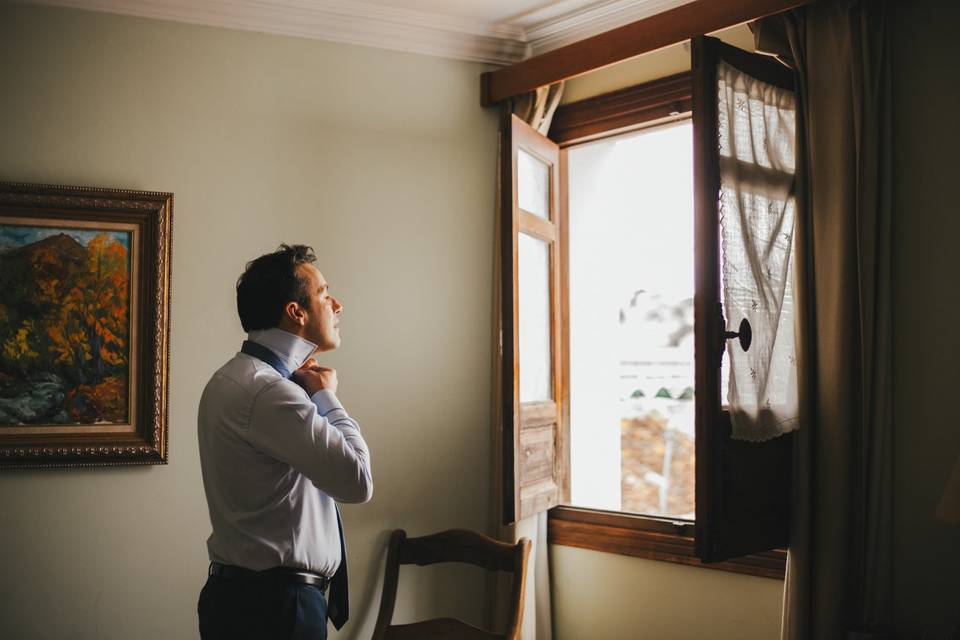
536,108
757,128
839,578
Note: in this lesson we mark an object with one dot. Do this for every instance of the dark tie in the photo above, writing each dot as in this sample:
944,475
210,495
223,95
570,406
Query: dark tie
338,604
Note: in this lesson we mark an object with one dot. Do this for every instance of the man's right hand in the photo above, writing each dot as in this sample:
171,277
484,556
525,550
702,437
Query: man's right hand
312,377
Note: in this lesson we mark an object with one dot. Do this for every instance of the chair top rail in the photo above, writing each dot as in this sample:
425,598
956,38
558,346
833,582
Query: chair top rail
458,545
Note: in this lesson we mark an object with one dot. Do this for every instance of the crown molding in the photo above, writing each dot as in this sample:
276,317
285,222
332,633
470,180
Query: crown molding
344,21
374,25
594,19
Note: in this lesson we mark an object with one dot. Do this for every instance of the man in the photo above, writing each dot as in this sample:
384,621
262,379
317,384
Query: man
276,450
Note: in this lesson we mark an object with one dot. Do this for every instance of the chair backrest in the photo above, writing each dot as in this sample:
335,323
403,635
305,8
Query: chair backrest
454,545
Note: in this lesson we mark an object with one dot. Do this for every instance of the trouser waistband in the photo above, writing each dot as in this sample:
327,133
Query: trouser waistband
283,574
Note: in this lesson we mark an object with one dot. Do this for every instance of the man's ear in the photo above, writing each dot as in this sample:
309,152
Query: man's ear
295,313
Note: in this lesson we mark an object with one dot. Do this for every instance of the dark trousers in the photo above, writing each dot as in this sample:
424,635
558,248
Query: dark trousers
261,609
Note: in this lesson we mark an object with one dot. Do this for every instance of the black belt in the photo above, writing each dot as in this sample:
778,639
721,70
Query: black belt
282,574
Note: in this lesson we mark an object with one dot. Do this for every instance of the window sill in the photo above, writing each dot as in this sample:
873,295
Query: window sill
651,538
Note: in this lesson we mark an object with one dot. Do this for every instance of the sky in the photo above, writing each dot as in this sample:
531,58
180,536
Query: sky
14,236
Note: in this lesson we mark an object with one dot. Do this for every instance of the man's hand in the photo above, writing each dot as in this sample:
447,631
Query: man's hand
312,377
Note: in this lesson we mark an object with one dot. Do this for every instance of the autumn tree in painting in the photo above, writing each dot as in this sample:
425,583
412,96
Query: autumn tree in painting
64,327
90,334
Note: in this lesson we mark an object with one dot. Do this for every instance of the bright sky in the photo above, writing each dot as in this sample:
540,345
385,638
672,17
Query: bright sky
641,188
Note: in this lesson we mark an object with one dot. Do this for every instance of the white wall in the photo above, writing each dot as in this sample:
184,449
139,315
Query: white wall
384,162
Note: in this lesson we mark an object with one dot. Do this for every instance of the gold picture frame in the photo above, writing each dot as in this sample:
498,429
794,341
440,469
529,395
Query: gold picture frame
84,325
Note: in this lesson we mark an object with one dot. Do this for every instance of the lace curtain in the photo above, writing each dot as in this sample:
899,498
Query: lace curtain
757,126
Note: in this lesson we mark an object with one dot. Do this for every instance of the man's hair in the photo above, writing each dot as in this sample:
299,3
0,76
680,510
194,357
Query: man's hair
269,283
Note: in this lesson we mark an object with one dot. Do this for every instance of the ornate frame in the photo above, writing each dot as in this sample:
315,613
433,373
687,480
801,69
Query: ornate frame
148,217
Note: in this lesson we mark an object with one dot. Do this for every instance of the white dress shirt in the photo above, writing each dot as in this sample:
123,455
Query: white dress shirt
274,460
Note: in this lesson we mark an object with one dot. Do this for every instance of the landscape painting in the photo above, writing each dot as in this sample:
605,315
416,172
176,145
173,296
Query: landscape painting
65,323
85,281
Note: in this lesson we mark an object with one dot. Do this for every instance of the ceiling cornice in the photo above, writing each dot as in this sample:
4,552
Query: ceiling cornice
592,20
374,25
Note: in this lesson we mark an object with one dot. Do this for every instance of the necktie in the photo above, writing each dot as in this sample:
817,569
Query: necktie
338,604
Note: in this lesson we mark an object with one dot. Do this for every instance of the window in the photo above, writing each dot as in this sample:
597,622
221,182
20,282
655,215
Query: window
614,393
631,287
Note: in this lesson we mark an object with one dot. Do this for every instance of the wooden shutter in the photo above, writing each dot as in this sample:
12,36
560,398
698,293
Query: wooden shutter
743,488
535,456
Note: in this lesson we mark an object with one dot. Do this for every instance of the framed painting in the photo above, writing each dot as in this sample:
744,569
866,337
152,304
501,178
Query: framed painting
84,326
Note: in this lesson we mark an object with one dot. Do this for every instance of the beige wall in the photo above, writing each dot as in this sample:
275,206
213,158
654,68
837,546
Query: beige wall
608,596
650,66
381,160
384,162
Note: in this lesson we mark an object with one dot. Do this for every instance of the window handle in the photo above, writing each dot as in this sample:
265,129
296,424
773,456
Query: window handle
745,334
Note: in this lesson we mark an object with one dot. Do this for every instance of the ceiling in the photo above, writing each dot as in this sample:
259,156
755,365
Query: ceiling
492,31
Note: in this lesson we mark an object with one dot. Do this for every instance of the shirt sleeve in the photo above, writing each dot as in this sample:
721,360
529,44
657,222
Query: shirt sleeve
315,436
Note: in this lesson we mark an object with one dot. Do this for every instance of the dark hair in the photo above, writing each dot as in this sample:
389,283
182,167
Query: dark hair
269,283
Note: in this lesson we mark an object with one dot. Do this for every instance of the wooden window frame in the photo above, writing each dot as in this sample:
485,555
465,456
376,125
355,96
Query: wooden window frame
611,114
534,444
649,34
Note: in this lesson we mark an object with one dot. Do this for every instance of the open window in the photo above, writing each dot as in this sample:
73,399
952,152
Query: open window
744,150
534,440
579,389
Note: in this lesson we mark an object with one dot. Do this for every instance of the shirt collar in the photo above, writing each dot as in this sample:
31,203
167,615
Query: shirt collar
292,349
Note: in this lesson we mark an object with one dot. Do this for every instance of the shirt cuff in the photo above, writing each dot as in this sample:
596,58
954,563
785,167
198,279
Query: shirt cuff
326,402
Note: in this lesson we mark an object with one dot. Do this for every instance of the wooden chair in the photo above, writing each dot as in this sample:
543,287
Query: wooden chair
455,545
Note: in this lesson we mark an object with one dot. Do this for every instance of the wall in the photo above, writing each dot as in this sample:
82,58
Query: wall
384,162
613,597
926,299
381,160
649,66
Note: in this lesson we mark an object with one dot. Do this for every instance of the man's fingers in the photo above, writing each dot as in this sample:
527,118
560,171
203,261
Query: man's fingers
313,365
314,368
309,364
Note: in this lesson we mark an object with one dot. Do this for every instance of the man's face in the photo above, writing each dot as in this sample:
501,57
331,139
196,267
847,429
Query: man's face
323,310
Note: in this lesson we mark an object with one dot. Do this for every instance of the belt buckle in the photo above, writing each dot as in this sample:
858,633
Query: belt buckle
313,579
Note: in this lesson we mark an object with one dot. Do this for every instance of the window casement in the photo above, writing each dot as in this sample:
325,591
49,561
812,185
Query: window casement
742,488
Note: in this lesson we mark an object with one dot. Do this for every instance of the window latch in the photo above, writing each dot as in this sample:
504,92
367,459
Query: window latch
745,334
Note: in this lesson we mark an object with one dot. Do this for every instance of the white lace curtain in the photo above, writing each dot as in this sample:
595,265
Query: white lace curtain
757,126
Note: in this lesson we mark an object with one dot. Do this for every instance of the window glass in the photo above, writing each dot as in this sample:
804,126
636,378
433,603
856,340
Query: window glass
534,318
631,323
533,184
